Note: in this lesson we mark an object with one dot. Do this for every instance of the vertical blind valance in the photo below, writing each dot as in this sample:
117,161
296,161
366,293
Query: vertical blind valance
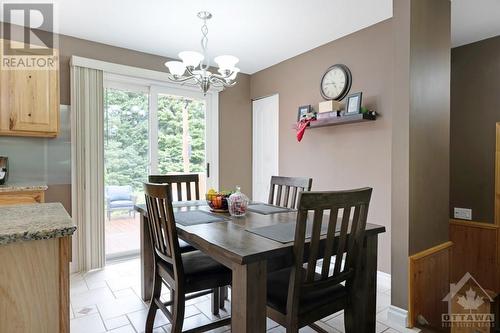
87,139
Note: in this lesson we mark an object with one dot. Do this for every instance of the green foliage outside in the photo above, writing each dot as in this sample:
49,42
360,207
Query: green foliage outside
126,136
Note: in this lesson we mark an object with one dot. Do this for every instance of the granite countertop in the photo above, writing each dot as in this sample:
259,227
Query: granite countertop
32,222
22,186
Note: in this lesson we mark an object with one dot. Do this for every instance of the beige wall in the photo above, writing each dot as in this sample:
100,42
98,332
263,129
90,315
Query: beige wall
475,105
340,157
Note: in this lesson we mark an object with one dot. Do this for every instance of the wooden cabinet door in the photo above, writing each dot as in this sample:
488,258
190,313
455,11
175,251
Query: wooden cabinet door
21,197
29,102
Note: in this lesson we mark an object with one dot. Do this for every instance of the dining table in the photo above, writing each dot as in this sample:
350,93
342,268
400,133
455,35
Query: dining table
251,257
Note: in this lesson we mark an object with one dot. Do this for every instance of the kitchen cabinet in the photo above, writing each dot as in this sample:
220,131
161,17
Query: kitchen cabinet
21,194
35,252
29,100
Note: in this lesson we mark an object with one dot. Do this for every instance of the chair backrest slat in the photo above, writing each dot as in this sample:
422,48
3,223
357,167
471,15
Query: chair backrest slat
314,247
162,227
177,181
342,240
278,196
325,207
283,185
330,238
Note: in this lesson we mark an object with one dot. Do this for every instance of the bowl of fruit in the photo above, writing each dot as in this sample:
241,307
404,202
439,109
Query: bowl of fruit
217,201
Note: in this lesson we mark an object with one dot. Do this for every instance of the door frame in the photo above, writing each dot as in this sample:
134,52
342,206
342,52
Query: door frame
253,145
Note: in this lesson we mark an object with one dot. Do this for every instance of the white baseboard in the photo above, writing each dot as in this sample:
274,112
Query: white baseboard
397,316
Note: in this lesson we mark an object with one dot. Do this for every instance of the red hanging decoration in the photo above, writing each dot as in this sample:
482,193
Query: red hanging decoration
301,128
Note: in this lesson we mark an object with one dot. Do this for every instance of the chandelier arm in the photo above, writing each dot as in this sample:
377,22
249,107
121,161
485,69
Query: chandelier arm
180,78
223,77
223,82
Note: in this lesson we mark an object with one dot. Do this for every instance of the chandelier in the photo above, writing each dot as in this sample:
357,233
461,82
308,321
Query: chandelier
194,65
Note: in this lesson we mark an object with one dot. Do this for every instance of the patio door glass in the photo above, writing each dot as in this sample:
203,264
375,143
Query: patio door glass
151,129
126,166
181,136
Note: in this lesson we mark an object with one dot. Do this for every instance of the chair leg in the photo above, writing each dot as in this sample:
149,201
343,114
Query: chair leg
152,306
292,329
222,296
178,309
215,301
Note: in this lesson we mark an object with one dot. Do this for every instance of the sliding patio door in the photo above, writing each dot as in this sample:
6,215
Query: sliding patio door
184,135
152,129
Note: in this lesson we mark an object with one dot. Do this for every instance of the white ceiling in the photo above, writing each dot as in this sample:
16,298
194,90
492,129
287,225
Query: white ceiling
473,20
259,32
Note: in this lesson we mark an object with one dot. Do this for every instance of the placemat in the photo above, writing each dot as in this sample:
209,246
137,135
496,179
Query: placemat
285,232
267,209
193,217
191,203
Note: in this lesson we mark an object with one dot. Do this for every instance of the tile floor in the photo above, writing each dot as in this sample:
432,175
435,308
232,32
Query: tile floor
108,301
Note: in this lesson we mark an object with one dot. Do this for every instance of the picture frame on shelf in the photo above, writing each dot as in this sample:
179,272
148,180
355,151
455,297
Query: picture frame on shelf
304,112
353,104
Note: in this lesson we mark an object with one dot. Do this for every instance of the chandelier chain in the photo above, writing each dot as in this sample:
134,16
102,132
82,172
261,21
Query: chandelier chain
204,41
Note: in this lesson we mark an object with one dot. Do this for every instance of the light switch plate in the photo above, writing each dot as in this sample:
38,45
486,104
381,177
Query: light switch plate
462,213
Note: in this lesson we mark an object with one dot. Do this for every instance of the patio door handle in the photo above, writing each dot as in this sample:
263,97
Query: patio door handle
208,170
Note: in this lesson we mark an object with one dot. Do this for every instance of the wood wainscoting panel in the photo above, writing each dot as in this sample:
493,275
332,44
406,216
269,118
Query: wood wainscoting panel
476,251
429,283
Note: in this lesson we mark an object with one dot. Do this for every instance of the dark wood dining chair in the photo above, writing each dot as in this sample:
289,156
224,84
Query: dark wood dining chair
298,296
188,275
284,191
177,180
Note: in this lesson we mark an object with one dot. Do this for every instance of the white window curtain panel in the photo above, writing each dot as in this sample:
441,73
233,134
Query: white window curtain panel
88,166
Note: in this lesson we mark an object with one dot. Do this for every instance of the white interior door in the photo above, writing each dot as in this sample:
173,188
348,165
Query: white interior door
265,115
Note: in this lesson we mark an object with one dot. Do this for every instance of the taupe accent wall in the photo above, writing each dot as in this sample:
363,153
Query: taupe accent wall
341,157
475,109
421,134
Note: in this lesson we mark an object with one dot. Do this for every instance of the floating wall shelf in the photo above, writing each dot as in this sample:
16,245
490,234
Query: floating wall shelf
334,121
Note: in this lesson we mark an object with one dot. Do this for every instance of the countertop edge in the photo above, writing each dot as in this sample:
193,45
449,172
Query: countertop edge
22,188
40,235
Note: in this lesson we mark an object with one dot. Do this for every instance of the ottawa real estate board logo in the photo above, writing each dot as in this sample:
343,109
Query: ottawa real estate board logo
29,42
470,307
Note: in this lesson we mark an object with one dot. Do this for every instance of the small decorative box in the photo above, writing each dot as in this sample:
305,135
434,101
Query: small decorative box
328,106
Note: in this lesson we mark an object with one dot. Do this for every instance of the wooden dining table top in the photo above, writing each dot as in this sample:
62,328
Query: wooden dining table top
230,241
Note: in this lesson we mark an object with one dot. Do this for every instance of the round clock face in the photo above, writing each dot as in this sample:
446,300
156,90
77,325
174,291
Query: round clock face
336,82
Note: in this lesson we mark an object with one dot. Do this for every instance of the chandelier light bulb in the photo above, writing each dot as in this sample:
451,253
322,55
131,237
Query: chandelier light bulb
191,58
226,62
176,68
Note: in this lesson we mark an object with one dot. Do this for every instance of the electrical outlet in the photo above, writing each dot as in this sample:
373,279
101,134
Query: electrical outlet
462,213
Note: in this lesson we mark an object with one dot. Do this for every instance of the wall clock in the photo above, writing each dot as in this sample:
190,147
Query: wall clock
336,82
